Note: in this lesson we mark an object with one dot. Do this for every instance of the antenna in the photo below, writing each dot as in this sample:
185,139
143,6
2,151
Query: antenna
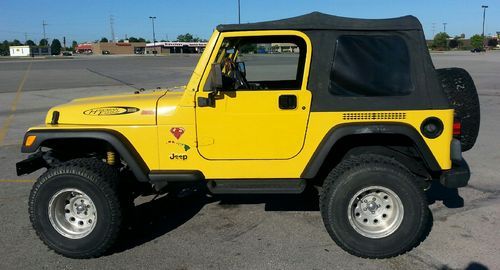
111,23
43,25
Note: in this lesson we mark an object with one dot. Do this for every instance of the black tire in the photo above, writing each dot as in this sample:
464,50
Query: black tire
95,179
462,94
361,172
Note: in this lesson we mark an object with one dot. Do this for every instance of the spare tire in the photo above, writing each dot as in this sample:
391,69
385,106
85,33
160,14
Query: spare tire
461,91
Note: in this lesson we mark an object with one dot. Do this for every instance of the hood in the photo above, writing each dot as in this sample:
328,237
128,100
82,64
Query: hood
129,109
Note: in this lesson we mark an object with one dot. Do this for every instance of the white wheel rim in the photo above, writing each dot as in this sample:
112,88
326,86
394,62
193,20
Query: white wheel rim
72,213
375,212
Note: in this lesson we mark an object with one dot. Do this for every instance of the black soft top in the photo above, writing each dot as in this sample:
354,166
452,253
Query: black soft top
321,21
326,31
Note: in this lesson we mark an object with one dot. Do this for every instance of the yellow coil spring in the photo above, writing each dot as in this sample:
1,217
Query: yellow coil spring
110,158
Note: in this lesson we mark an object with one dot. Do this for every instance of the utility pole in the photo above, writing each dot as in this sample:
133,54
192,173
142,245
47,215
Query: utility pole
444,27
154,37
64,42
484,16
239,13
111,24
43,25
433,29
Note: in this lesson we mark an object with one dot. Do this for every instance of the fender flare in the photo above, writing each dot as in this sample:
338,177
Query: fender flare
341,131
119,142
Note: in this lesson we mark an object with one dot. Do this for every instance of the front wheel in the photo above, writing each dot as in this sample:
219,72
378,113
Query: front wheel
373,207
75,209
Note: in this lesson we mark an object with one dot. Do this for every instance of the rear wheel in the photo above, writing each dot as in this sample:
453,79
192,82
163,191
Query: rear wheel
462,95
373,207
75,208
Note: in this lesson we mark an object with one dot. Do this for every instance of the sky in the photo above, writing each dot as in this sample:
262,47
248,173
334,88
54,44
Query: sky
89,20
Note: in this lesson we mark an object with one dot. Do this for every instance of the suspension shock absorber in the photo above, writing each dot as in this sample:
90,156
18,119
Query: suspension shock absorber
111,157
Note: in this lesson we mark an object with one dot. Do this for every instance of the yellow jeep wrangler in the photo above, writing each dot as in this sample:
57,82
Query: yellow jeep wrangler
352,106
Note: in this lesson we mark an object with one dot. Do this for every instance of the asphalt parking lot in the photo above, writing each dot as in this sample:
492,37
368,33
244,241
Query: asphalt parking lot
243,232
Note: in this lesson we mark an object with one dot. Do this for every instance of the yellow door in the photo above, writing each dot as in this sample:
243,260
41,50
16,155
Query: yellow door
264,117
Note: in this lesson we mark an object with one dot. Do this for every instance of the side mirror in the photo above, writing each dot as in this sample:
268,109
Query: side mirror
242,68
216,78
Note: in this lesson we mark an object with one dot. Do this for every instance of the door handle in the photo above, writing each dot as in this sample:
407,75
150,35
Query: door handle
287,102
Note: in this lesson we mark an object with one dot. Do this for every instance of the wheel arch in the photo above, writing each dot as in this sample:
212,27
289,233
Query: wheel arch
116,140
359,137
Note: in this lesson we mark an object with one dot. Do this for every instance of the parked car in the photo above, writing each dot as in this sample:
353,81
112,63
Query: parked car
361,114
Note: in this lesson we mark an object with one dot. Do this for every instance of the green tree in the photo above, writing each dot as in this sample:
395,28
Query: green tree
440,41
55,47
30,42
133,39
121,40
185,38
477,41
453,43
74,44
43,42
4,48
141,40
248,48
103,39
16,42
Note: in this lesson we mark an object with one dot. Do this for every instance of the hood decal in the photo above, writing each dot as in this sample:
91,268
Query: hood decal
107,111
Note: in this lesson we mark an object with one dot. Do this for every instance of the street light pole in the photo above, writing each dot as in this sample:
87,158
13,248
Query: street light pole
239,13
444,27
154,36
484,16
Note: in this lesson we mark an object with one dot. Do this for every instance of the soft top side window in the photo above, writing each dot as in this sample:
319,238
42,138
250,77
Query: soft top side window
365,65
262,63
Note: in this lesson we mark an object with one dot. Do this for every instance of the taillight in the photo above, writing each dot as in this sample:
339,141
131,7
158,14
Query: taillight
457,128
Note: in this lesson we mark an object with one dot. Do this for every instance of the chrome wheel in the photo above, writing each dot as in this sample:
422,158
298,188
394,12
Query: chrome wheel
72,213
375,212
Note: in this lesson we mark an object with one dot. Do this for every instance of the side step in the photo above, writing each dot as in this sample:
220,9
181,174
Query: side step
254,186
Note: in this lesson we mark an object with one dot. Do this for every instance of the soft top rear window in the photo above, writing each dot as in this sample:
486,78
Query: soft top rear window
370,66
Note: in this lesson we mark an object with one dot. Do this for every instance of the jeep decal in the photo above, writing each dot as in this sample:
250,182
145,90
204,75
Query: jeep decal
177,132
183,145
106,111
178,156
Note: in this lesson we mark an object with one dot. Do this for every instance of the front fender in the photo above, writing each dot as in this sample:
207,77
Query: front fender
119,142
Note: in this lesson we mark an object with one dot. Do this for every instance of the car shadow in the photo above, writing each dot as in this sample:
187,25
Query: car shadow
155,218
150,220
449,196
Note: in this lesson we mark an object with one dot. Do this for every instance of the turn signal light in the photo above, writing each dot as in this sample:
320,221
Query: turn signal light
30,140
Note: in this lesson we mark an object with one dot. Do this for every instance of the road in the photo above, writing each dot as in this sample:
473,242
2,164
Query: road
234,232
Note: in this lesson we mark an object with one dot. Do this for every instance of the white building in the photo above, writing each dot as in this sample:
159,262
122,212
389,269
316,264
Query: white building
19,50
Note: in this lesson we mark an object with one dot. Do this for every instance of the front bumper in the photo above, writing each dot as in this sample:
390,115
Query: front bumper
31,164
457,176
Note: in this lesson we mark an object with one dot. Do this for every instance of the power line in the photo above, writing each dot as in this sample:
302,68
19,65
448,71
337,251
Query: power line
43,25
239,12
111,23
